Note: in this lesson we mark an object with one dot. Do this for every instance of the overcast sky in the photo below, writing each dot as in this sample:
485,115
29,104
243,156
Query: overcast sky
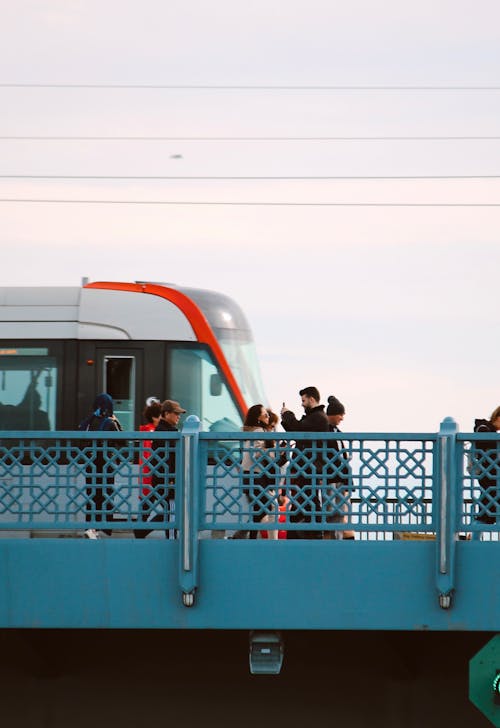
391,308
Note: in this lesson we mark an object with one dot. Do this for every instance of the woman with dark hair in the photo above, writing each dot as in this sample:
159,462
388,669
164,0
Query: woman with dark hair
156,506
151,415
257,483
273,420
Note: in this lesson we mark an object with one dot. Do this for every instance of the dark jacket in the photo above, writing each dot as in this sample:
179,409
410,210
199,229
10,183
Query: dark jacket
164,473
101,419
102,416
313,420
338,462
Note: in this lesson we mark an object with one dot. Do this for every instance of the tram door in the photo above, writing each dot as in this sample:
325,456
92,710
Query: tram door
119,372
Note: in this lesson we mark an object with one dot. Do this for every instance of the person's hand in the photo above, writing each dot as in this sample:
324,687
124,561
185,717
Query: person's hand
283,410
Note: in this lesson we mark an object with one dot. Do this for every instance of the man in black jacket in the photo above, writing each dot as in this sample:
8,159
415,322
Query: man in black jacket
305,468
163,473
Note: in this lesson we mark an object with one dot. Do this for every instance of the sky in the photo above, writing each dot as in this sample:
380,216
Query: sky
368,262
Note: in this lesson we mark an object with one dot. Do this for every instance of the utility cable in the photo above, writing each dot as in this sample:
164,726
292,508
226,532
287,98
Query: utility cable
249,177
247,204
251,87
248,138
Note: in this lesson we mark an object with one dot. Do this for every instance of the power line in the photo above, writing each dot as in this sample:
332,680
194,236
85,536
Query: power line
249,177
248,204
250,87
249,138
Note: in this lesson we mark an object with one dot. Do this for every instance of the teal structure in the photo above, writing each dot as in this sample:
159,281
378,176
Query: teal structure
420,560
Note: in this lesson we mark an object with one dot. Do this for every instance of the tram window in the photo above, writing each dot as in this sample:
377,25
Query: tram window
28,389
119,383
192,383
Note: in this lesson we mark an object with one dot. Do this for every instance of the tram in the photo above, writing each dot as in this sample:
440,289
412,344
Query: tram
60,346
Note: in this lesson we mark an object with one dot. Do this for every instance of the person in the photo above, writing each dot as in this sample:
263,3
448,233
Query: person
305,469
256,483
151,415
163,472
100,476
272,424
486,458
282,510
273,420
338,485
28,414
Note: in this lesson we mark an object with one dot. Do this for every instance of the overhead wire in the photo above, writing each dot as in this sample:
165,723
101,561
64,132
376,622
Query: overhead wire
249,177
144,138
249,138
246,203
254,87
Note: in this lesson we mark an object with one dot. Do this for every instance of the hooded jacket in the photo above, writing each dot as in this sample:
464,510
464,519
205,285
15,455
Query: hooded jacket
101,420
101,417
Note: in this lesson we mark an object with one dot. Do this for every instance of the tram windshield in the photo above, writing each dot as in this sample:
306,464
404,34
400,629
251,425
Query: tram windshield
196,382
242,358
233,333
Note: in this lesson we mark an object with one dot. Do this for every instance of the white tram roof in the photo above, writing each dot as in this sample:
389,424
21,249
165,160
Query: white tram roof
95,313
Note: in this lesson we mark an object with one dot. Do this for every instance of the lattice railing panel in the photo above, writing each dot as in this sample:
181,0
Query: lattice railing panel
478,475
372,485
89,480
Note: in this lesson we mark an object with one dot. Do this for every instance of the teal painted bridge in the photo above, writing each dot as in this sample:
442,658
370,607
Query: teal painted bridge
425,554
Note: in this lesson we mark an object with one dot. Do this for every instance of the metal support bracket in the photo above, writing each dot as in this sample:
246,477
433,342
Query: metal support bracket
447,499
189,549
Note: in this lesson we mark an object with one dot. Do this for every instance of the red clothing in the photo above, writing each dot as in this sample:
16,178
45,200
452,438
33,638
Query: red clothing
144,471
281,519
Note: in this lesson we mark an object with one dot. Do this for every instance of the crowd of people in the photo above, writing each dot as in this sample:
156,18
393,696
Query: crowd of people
157,477
307,492
316,484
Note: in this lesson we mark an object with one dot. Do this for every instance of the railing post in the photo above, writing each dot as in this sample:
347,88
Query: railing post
446,499
188,551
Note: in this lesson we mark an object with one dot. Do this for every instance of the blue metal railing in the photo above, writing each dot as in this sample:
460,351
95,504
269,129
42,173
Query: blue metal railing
380,485
70,481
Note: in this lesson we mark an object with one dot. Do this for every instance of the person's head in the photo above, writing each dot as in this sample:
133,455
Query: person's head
152,412
257,416
310,397
103,405
335,411
171,411
273,420
495,418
